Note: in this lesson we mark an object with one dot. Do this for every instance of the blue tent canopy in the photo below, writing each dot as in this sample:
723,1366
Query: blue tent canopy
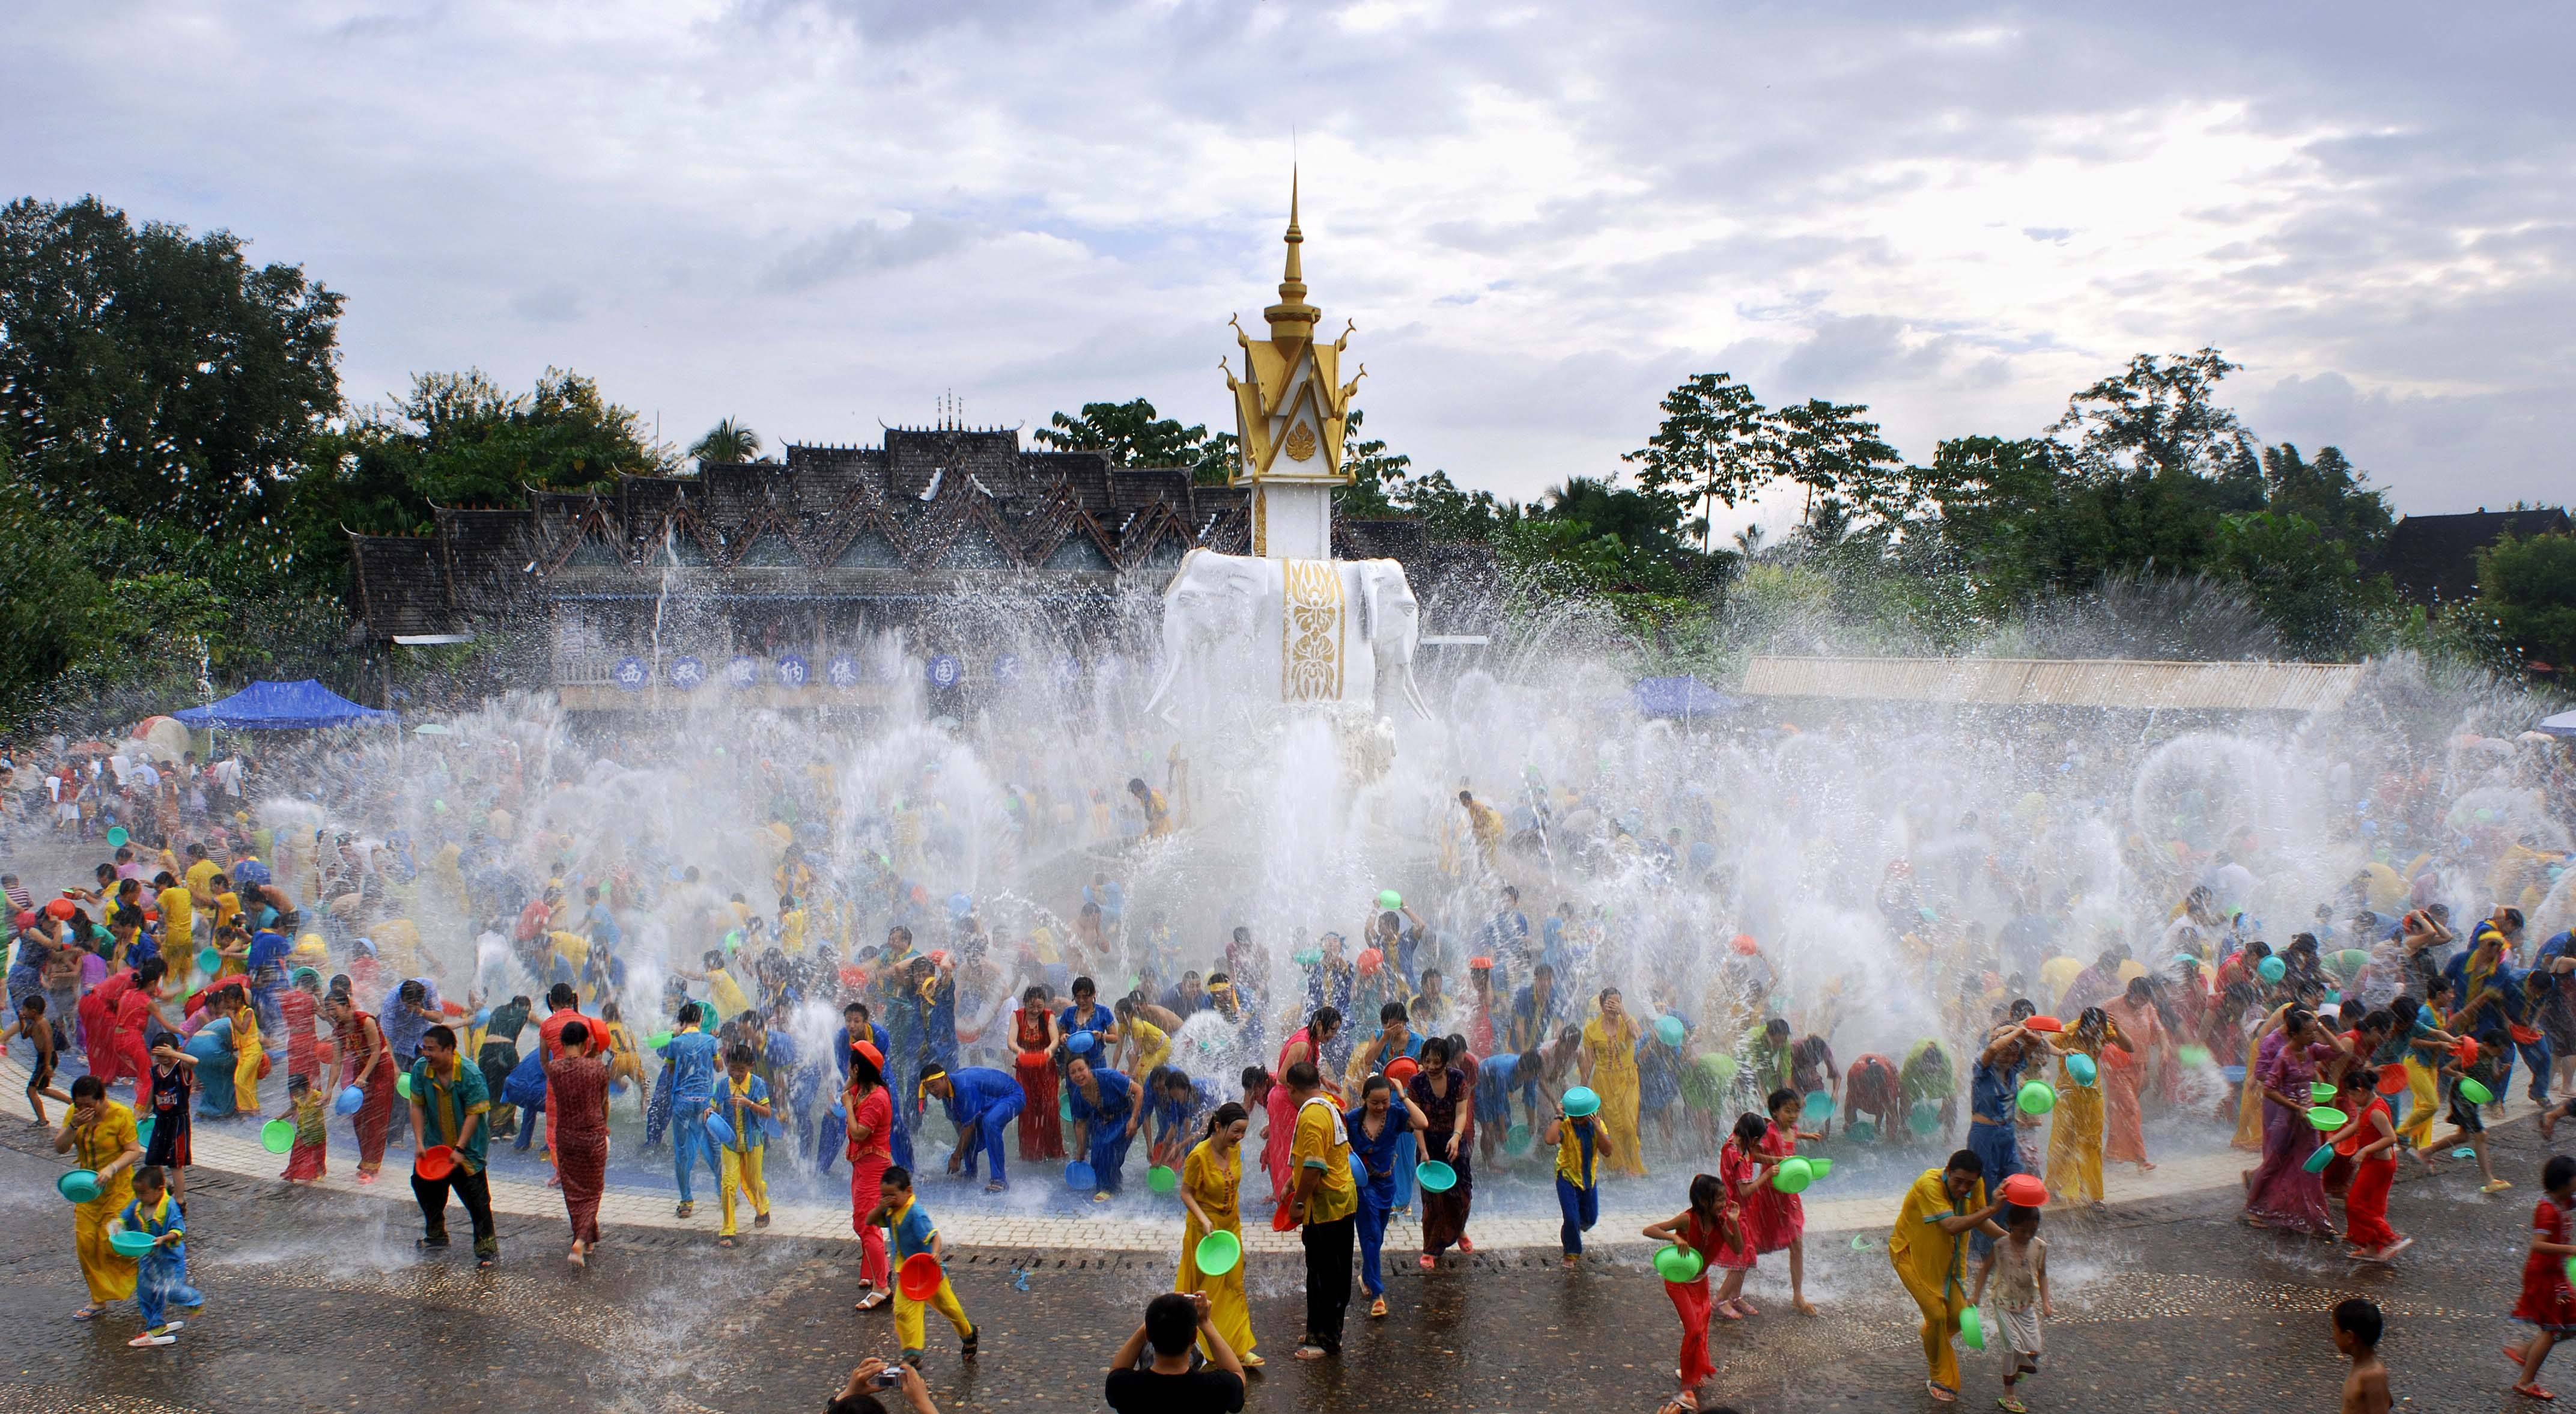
1684,696
281,706
2564,724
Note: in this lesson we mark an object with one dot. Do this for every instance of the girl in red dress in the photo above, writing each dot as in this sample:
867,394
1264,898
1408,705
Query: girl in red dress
871,1125
1306,1046
1711,1229
2370,1143
2547,1302
1738,1171
1777,1221
1033,1041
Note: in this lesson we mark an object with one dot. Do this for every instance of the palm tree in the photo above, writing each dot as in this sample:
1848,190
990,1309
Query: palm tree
726,443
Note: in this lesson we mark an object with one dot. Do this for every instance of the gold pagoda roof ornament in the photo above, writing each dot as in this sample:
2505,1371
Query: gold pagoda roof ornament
1289,405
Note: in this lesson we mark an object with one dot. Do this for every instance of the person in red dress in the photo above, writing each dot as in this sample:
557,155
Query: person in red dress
2547,1304
297,1005
1305,1047
366,1062
2369,1144
1777,1221
577,1126
1033,1042
565,1005
1738,1170
1712,1229
871,1126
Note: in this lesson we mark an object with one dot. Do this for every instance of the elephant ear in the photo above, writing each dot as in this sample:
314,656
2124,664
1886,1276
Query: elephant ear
1371,575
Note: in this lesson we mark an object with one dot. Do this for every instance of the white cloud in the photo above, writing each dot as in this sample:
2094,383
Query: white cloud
819,213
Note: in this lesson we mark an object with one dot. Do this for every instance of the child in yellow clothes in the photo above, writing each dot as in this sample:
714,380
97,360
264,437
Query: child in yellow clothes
743,1100
916,1235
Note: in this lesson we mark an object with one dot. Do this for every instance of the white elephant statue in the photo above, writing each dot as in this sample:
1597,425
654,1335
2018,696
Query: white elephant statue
1247,630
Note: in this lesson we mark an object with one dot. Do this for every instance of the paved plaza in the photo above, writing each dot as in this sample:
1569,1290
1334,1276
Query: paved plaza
315,1301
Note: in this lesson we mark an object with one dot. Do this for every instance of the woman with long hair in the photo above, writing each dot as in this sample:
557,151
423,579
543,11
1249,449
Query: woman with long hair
871,1126
1610,1068
1306,1047
2075,1130
1034,1037
2124,1071
1212,1192
1446,1098
1708,1227
2280,1192
1375,1125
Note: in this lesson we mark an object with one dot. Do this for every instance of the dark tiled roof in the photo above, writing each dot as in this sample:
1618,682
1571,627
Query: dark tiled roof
2434,559
849,517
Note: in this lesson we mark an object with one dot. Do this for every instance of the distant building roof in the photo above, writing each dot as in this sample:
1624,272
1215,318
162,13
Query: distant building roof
2061,682
2434,559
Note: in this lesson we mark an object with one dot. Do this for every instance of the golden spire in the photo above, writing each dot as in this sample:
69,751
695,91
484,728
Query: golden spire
1292,318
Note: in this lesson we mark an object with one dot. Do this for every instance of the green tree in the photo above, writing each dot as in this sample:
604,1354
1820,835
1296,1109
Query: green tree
47,591
1835,453
155,375
2527,588
2328,491
728,443
2305,583
457,439
2158,414
1640,521
1125,434
1713,446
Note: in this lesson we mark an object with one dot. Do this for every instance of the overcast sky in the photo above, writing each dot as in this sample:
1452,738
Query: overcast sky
818,214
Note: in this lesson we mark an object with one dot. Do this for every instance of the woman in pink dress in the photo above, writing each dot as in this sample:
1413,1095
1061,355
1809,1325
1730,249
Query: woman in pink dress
2124,1072
577,1087
366,1062
1306,1046
2281,1192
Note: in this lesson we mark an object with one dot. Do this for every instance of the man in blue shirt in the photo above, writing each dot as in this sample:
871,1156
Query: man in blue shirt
981,1102
692,1054
855,1027
1107,1107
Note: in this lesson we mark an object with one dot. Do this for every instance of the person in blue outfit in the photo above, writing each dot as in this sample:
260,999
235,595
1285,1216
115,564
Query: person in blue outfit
1994,1087
982,1103
2485,965
1087,1014
1395,1041
1378,1126
1107,1107
1177,1106
692,1054
161,1275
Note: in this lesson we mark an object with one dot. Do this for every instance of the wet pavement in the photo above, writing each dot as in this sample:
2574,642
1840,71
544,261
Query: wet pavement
316,1302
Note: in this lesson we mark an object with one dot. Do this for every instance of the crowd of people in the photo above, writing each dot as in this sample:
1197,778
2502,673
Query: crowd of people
388,983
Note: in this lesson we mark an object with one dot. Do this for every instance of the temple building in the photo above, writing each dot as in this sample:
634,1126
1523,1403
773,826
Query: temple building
829,577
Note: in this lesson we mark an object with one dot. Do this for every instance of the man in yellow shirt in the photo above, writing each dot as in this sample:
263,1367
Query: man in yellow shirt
1327,1201
1927,1247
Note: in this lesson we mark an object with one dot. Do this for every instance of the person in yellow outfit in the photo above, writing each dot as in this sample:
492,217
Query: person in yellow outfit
1211,1190
744,1103
1146,1045
1158,810
101,1133
2075,1132
1326,1200
1928,1246
1610,1068
916,1235
178,910
249,1058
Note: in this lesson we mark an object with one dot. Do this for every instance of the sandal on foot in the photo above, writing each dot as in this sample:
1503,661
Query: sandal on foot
871,1301
86,1313
1429,1261
724,1242
1311,1352
1377,1309
966,1342
2011,1405
2533,1392
1466,1244
1725,1310
1940,1392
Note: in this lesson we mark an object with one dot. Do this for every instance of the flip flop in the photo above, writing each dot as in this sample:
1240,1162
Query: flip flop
1727,1310
2014,1406
2533,1392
